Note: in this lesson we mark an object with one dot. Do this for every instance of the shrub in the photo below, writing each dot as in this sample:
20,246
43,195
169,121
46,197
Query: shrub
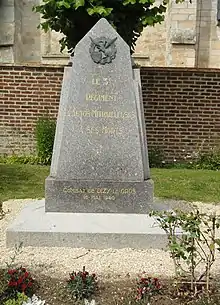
192,244
82,285
20,280
208,160
14,280
19,299
147,287
156,157
3,286
17,251
45,133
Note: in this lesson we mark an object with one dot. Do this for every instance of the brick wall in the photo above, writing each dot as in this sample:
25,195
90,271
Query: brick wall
182,106
25,94
182,109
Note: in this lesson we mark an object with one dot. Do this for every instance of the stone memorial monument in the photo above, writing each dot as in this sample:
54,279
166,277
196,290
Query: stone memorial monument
99,189
99,162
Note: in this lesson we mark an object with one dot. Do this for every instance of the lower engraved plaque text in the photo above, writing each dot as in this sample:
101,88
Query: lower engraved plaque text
99,193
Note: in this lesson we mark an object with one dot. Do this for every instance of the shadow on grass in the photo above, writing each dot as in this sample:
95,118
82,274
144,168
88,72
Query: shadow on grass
22,181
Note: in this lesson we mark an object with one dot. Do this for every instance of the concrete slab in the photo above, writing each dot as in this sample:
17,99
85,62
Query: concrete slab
36,228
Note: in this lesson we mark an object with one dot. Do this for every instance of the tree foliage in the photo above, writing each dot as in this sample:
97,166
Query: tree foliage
74,18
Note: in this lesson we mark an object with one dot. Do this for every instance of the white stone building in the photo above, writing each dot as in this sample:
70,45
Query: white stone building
189,37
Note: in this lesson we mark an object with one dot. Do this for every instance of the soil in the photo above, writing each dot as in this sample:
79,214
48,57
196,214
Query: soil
114,292
120,292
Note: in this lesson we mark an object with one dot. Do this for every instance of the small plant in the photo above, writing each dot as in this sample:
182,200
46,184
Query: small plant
34,301
147,288
192,244
17,251
45,133
19,299
204,157
156,157
82,285
20,280
208,160
7,292
3,286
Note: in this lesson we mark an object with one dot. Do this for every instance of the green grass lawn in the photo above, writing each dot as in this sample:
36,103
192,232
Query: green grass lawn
22,181
27,181
187,184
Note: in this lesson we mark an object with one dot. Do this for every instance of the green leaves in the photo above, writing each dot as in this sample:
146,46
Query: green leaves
82,285
63,3
79,3
146,1
100,10
74,18
45,26
150,2
70,4
196,246
217,241
126,2
45,132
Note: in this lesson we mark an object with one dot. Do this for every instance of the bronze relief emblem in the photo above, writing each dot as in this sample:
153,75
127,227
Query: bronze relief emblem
103,50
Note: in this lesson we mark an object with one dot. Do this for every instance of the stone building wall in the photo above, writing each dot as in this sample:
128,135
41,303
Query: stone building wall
20,40
27,48
171,43
188,37
214,55
7,30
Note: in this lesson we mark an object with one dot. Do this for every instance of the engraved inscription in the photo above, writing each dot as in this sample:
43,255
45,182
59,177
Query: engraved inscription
106,190
96,81
95,113
99,193
100,84
104,130
101,97
100,81
99,198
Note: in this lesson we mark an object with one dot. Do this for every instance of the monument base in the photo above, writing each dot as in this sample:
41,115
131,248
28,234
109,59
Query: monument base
33,227
93,196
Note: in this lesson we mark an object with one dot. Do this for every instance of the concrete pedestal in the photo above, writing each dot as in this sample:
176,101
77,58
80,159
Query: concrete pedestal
36,228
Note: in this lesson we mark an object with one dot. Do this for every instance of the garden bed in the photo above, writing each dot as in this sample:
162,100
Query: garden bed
116,270
120,292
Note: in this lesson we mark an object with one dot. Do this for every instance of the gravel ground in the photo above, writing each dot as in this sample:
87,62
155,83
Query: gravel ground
108,264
